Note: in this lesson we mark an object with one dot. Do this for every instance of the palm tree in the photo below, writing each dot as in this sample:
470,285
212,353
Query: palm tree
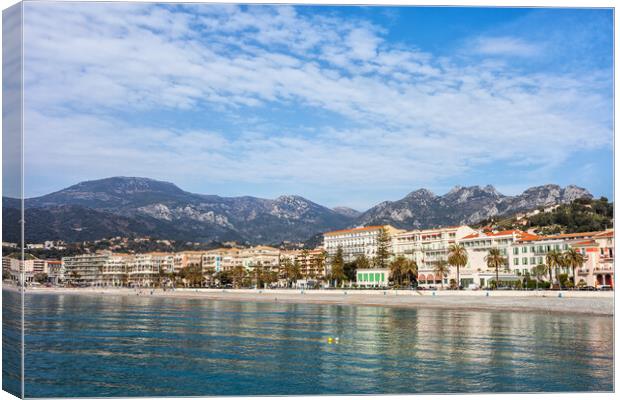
495,260
410,269
457,257
574,260
337,264
397,267
442,269
238,275
539,271
554,260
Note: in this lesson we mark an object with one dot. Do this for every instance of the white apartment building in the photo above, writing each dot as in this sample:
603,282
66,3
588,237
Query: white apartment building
114,270
146,270
428,246
478,245
355,242
263,256
220,260
85,269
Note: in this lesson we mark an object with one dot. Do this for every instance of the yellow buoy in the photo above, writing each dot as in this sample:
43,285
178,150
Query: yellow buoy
329,340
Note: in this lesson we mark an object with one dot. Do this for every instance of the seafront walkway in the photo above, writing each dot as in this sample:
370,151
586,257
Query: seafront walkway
546,301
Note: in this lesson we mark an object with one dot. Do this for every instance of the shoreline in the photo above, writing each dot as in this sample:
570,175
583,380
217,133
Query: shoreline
564,302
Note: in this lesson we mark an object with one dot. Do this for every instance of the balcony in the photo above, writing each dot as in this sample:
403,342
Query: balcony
582,271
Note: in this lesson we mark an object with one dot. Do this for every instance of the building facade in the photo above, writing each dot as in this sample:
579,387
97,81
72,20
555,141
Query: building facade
372,277
356,242
427,247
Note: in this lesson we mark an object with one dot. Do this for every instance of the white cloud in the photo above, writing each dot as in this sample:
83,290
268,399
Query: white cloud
412,118
505,46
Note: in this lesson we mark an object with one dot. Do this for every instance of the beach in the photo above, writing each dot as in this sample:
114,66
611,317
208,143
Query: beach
578,302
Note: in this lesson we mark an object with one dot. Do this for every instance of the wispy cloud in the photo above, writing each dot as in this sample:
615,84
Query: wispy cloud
285,97
505,46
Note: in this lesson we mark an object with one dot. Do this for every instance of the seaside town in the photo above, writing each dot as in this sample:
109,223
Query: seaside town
456,257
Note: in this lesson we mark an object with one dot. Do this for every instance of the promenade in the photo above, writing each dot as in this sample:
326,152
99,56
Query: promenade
581,302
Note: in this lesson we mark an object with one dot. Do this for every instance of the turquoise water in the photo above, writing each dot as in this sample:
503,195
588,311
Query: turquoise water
139,346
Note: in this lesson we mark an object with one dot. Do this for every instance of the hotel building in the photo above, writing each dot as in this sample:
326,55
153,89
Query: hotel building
149,269
478,245
356,242
427,247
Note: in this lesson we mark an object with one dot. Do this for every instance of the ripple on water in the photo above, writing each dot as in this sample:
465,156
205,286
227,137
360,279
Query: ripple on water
125,346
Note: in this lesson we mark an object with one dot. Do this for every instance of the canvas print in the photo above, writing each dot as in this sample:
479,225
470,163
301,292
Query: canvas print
233,200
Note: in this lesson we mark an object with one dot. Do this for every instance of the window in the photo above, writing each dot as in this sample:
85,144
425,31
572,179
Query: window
382,277
532,260
515,261
372,277
515,251
377,277
524,249
524,260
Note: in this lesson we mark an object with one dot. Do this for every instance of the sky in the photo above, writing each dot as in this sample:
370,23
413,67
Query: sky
346,106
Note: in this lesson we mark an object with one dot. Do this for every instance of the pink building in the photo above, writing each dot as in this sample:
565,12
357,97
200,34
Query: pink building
598,269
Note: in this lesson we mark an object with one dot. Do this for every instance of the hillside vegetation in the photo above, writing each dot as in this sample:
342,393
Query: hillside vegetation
581,215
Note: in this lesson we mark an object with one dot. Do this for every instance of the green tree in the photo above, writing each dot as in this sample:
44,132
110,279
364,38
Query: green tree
40,277
337,270
554,260
295,272
457,257
362,262
397,269
319,264
192,275
209,273
224,277
383,253
574,260
291,271
350,269
238,274
495,260
539,271
442,269
410,271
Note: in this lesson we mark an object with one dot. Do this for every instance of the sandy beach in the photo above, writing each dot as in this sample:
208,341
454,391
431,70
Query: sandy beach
592,303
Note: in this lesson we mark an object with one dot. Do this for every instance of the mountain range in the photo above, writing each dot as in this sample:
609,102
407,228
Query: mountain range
129,206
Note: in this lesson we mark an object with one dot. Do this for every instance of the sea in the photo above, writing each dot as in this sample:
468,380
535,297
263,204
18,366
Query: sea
100,346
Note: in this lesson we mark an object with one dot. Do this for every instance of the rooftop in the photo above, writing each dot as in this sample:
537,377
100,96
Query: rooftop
361,229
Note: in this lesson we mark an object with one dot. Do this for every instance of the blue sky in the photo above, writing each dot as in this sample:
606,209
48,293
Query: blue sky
346,106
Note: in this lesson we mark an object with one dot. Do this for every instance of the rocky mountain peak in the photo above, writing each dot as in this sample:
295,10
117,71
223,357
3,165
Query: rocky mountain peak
124,185
572,192
421,194
132,205
347,211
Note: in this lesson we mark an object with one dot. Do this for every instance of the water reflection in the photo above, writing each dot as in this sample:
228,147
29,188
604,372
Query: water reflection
126,346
